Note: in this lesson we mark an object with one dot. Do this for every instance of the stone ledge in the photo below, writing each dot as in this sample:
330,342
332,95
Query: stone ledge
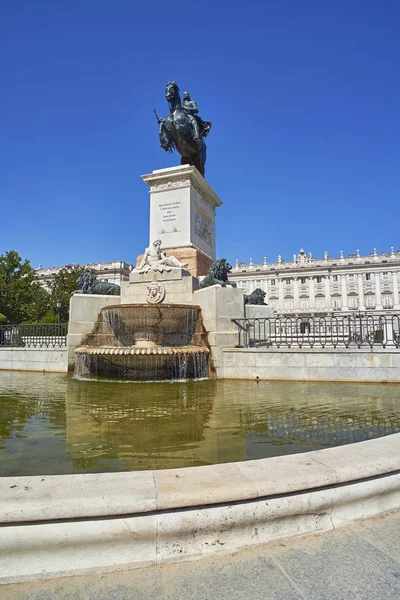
70,524
297,350
71,496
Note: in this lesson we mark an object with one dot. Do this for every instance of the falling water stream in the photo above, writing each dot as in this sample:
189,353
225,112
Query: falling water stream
141,342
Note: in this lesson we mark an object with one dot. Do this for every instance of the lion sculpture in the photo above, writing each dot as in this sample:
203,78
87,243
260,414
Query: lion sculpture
218,274
89,285
256,297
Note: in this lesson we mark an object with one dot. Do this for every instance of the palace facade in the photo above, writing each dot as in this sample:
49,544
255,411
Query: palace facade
114,272
308,285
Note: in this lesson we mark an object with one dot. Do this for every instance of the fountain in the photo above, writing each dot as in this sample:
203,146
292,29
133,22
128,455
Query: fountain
145,342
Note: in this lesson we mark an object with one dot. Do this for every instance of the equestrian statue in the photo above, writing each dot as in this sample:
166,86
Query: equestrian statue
183,130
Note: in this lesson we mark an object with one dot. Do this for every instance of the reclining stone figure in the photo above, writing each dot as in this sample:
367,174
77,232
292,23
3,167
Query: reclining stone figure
156,260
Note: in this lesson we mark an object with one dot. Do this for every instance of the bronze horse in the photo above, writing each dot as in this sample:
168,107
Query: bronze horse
176,132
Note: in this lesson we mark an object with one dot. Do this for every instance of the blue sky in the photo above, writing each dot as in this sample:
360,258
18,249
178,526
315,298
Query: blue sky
305,103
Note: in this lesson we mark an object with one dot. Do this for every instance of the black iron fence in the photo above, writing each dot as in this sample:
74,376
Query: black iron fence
351,331
30,335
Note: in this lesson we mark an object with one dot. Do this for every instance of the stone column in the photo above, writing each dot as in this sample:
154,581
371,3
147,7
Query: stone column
344,293
396,304
312,292
266,290
327,293
296,301
281,301
378,298
361,302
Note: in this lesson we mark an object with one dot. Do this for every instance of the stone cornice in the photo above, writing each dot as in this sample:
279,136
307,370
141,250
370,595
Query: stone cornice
315,268
180,177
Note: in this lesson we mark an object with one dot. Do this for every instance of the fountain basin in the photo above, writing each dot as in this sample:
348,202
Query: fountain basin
145,343
143,364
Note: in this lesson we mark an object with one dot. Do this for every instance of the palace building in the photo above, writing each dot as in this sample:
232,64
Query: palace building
307,285
113,272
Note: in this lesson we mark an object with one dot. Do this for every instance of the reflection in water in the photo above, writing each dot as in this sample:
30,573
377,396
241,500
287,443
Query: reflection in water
56,424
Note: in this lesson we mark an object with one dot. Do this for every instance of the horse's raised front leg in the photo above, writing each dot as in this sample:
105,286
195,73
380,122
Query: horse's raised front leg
164,141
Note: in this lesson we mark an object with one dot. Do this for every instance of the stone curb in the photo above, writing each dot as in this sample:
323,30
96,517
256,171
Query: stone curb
79,523
61,497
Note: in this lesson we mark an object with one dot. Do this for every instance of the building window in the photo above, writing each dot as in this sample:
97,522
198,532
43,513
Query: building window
370,301
272,281
336,302
287,281
303,279
353,301
334,277
385,275
319,279
351,277
273,302
304,303
289,303
319,302
387,300
368,276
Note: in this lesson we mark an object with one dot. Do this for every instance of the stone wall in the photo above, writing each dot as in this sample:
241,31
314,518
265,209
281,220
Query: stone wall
34,359
300,364
219,305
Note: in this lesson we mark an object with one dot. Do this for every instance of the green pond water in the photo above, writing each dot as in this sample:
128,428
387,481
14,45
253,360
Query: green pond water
55,424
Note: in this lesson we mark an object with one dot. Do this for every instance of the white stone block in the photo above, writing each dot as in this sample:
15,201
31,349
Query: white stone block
84,310
182,209
179,286
258,311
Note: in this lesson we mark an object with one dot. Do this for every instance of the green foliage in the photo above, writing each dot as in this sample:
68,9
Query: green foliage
3,318
62,286
22,298
49,317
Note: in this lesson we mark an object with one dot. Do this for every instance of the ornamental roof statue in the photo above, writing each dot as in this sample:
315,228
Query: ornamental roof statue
183,130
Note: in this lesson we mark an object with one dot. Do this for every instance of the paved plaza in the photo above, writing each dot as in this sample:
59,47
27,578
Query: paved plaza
360,562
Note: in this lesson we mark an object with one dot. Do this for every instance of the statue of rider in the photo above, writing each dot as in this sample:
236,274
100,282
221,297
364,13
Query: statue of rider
191,109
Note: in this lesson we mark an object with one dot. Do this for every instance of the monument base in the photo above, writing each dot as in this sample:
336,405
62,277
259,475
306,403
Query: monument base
198,263
177,287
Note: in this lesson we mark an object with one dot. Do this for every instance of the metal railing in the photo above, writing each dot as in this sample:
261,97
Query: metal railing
32,335
350,331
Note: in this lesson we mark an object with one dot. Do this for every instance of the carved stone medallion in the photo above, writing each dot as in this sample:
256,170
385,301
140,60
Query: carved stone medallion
155,292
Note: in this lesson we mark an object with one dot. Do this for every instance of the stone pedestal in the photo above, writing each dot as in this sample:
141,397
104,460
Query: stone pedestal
258,311
178,285
182,216
83,312
219,305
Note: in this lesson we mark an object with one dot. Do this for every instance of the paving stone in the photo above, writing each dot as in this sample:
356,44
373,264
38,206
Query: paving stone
360,562
342,566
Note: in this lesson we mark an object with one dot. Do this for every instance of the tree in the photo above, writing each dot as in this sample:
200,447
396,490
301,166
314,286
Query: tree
62,286
22,298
